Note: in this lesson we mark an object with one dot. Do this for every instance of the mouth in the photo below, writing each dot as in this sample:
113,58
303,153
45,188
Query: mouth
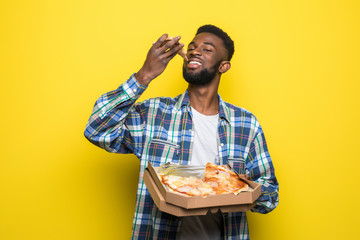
193,64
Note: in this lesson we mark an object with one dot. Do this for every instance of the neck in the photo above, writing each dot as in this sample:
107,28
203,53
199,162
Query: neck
204,98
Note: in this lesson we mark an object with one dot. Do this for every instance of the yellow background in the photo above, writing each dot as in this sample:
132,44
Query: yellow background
295,67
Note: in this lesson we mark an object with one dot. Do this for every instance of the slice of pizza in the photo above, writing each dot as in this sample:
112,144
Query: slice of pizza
223,180
217,180
187,185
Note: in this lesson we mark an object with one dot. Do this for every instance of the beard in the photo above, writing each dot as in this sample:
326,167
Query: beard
204,77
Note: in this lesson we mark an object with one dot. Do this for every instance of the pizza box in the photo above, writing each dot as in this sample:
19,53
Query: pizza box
182,205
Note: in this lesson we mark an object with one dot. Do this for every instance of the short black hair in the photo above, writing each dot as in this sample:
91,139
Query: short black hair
229,44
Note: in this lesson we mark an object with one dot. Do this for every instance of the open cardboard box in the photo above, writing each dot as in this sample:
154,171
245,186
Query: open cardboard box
182,205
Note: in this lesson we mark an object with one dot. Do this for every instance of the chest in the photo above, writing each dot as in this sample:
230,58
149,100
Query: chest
170,138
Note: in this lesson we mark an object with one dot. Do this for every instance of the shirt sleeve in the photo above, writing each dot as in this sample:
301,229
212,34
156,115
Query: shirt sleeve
116,123
262,171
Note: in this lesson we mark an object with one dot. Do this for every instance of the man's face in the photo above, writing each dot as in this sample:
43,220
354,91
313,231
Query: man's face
205,52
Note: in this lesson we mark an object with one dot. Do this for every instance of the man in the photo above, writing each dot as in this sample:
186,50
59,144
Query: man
193,128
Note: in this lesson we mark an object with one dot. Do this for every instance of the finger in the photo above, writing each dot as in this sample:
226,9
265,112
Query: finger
173,51
168,39
160,41
172,47
246,176
170,43
169,57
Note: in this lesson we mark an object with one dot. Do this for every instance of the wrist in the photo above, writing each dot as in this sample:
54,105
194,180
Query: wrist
142,78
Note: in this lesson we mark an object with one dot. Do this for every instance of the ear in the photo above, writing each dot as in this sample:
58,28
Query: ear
224,66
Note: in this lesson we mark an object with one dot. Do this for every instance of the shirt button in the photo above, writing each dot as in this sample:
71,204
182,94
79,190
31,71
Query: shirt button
222,144
134,90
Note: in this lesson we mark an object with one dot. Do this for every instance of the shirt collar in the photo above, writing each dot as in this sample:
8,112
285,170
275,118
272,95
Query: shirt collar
184,101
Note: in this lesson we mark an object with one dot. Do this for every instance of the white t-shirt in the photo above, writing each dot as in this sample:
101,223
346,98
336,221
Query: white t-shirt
204,149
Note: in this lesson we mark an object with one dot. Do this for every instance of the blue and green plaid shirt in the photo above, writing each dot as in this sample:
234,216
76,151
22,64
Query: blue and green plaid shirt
159,130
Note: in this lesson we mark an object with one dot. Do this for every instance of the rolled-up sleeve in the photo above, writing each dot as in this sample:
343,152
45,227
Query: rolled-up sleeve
261,169
116,122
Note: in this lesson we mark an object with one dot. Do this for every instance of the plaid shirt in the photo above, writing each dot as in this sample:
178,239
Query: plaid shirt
160,130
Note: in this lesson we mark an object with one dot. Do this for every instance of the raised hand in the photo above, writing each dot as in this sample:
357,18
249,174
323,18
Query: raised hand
157,59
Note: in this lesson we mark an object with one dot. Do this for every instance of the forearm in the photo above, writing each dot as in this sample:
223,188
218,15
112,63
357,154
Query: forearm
107,126
115,120
262,171
269,198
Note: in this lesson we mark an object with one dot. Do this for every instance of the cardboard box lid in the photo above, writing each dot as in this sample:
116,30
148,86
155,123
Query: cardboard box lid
181,212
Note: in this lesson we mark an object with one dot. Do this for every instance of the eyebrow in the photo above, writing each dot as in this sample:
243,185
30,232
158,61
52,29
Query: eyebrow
207,43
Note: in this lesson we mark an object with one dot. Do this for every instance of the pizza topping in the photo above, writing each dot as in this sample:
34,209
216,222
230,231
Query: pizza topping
217,180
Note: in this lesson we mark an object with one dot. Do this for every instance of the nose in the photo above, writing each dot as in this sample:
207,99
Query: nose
194,52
